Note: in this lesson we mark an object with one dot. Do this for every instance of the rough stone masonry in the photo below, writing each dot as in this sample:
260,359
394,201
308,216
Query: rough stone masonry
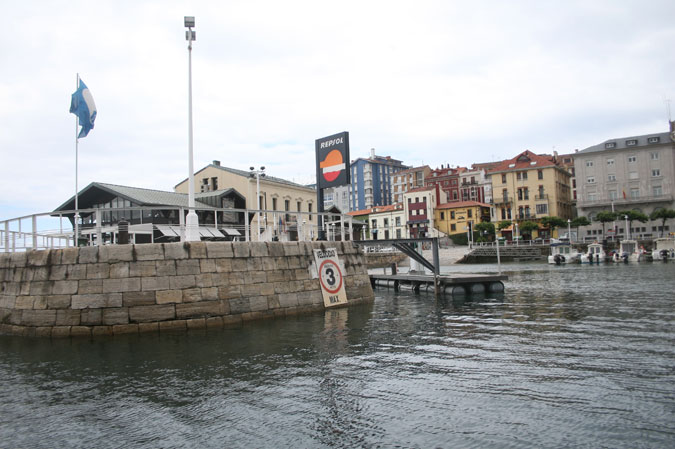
123,289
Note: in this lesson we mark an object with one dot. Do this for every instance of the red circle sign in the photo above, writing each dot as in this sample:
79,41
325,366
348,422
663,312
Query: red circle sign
330,276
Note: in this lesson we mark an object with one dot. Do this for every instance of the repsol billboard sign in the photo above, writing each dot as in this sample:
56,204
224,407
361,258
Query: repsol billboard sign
332,160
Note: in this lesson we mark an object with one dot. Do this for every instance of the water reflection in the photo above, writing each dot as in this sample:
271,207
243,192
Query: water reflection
567,356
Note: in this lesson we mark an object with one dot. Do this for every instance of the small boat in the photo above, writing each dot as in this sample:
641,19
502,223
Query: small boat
629,252
563,253
664,249
595,254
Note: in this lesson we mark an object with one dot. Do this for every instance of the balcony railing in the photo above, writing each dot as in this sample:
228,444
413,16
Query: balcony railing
618,202
503,199
543,197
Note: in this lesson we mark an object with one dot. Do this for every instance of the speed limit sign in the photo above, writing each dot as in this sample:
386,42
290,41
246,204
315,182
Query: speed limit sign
331,277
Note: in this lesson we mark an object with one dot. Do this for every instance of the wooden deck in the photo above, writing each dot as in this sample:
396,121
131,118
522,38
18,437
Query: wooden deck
460,284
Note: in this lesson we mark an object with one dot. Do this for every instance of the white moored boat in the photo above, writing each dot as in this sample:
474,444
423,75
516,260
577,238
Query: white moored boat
629,252
595,254
563,252
664,249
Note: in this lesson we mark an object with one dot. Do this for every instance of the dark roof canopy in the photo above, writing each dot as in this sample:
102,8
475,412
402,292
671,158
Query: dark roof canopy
98,192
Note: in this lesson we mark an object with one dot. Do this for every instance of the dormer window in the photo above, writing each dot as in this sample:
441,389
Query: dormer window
512,165
610,145
653,139
631,142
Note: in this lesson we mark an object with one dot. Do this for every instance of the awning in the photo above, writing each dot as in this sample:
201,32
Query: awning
168,231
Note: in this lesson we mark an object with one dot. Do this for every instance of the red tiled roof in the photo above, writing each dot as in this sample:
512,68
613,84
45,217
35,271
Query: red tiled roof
524,162
356,213
421,189
457,204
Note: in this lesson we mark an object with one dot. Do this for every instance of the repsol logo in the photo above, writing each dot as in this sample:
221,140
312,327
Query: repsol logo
332,142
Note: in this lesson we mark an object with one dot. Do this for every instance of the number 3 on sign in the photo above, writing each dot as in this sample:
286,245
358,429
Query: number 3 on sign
330,276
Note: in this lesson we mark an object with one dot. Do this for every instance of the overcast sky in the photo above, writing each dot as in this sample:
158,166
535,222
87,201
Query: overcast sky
433,82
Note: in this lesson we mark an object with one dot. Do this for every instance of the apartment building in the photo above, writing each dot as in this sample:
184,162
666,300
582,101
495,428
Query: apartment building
635,173
387,222
371,181
447,179
418,206
406,180
455,217
529,187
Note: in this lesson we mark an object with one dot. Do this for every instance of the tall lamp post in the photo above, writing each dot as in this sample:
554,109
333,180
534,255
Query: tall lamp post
192,221
257,174
627,228
569,231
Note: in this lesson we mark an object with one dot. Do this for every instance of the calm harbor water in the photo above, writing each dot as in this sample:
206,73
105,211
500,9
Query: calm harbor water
568,356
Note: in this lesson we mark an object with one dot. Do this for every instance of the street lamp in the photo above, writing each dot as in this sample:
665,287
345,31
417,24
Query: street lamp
569,232
627,228
517,234
257,174
192,221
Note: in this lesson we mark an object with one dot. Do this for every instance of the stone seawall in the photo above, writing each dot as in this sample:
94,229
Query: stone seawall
122,289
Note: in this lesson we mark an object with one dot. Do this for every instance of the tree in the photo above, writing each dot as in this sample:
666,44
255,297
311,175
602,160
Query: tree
605,217
663,215
632,216
485,228
503,224
552,223
579,221
527,227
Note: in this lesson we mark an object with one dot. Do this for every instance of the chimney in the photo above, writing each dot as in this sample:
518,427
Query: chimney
372,153
216,163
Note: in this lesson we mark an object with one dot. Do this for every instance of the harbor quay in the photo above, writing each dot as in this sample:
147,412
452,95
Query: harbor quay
126,289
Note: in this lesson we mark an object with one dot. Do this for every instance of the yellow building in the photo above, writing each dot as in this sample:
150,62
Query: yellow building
530,187
454,218
275,195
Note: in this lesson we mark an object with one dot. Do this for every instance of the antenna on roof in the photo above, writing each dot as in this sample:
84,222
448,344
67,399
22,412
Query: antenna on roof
666,100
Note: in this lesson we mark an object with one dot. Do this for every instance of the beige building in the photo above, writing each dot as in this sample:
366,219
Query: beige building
628,173
406,180
296,203
530,187
387,222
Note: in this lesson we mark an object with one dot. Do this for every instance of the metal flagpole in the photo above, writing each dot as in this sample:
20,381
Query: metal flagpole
77,210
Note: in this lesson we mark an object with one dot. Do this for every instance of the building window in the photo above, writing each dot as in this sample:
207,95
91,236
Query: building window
299,204
526,194
398,221
592,197
287,205
590,180
653,139
613,195
611,178
469,213
657,191
610,145
542,209
589,163
518,176
610,162
540,174
504,179
442,215
631,142
453,227
655,156
309,209
274,204
452,214
635,193
656,172
632,159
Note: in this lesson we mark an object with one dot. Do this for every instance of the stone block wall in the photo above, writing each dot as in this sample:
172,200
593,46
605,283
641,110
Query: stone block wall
121,289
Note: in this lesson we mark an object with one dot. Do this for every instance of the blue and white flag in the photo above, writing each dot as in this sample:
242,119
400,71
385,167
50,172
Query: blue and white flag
82,105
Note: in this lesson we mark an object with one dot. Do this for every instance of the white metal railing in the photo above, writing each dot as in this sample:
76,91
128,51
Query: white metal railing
51,230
